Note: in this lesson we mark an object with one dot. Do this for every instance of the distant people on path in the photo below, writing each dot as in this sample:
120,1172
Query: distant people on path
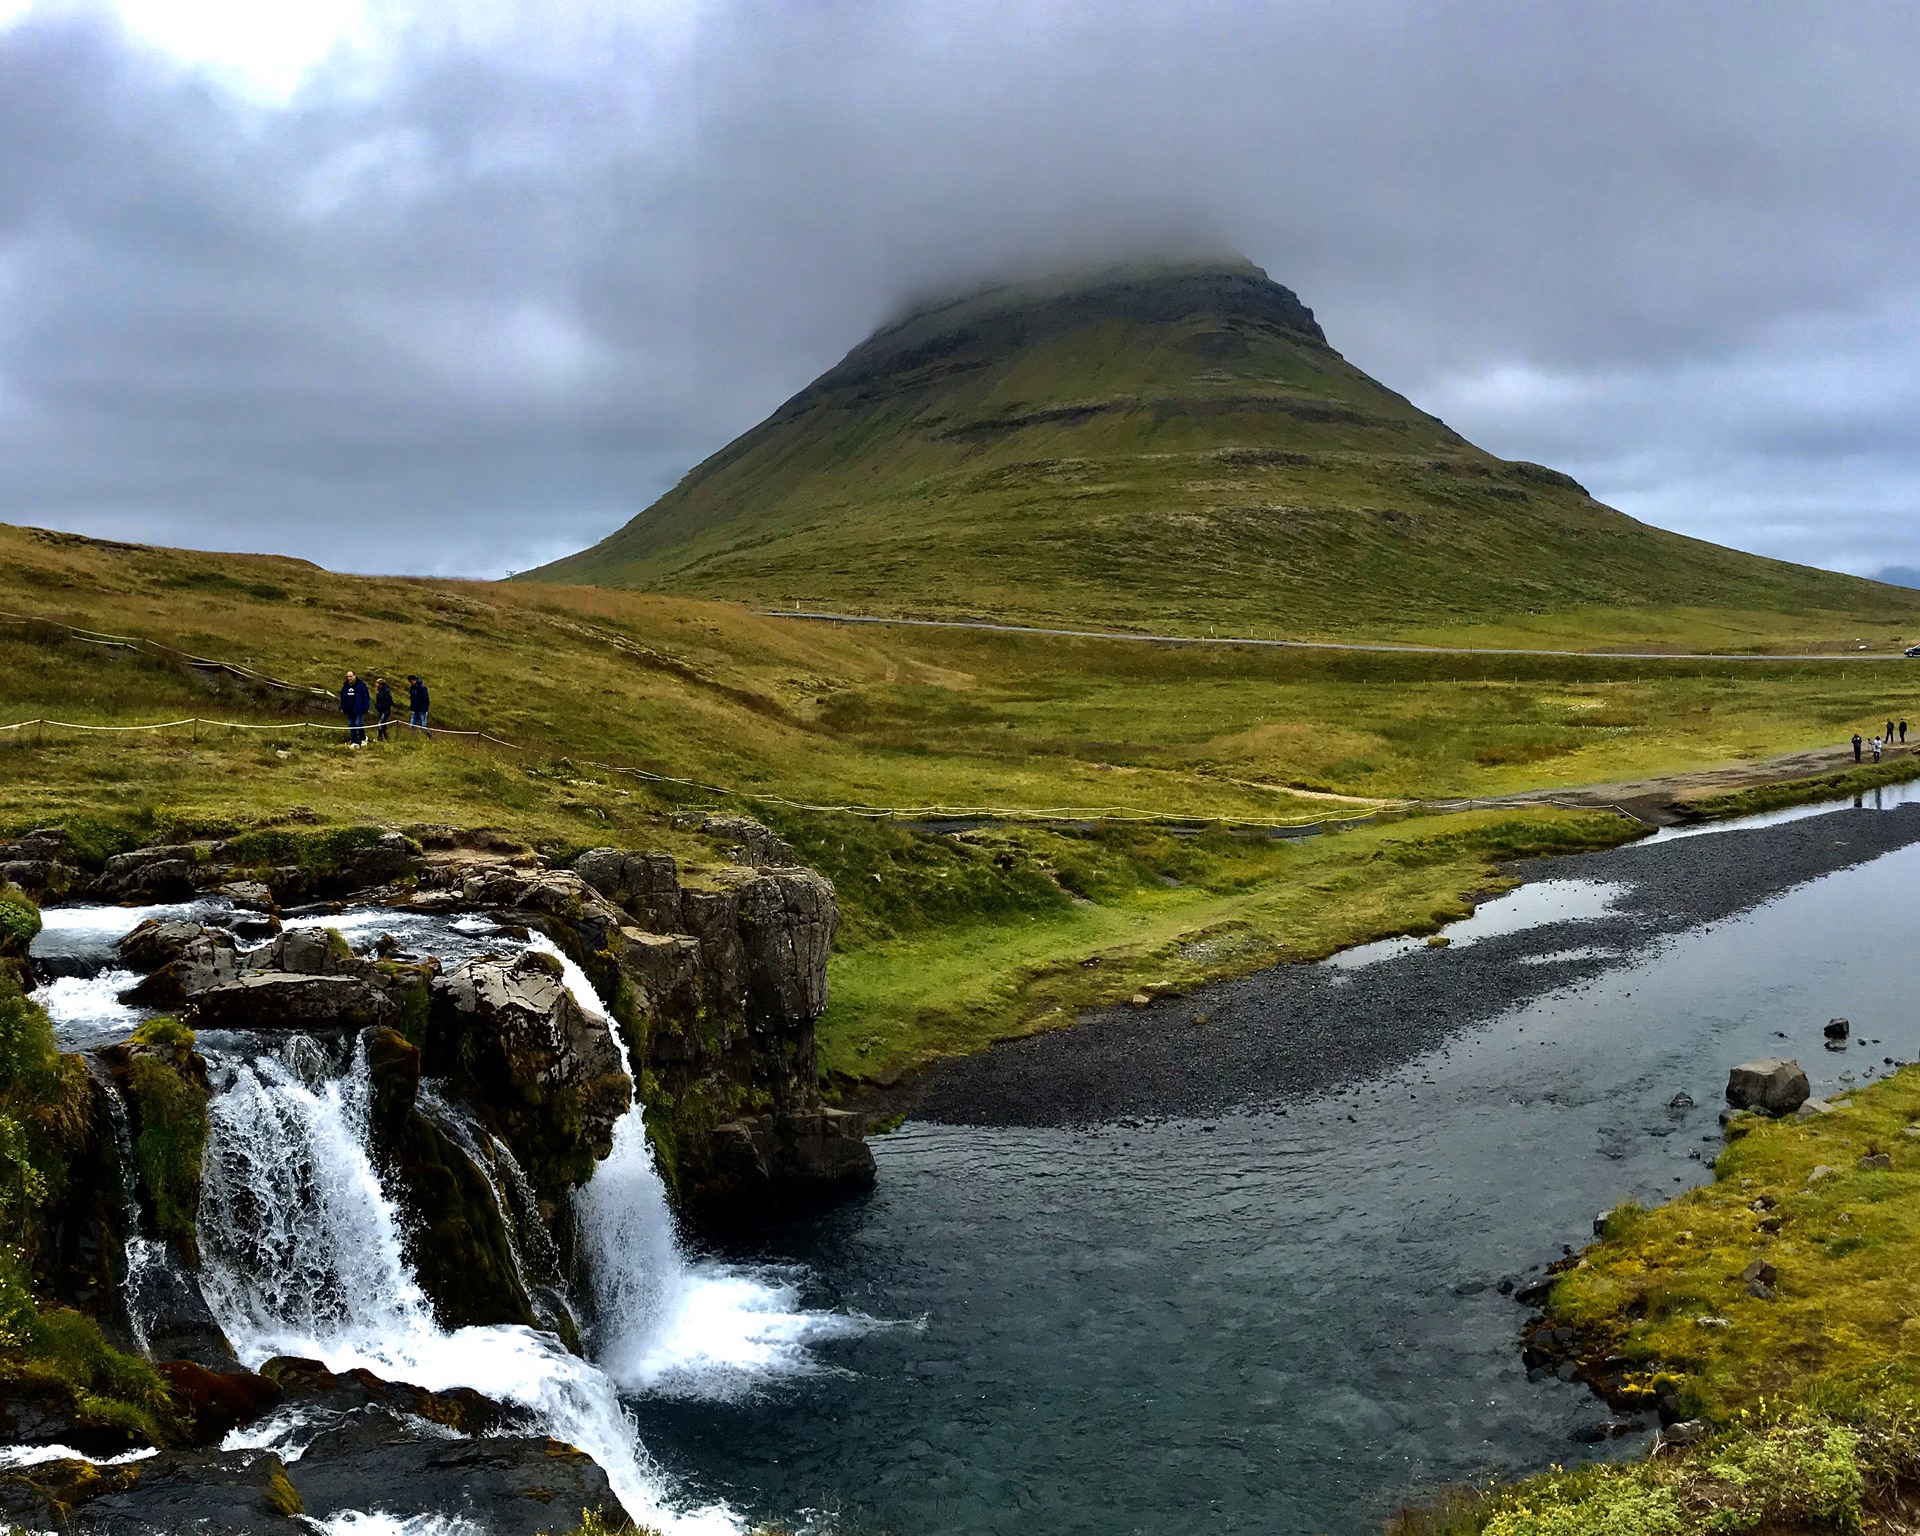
353,704
417,702
1856,746
383,706
1903,733
1888,738
1876,749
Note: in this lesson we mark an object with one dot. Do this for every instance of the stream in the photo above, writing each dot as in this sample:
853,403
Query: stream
1280,1313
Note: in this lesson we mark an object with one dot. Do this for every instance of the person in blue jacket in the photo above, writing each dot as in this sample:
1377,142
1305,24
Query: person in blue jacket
354,700
417,702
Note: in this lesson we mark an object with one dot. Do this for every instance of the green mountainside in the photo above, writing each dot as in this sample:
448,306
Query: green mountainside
1157,448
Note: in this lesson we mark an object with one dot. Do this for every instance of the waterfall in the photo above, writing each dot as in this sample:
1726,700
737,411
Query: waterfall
303,1255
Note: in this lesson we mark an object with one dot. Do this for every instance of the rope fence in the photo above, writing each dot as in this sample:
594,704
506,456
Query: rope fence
929,813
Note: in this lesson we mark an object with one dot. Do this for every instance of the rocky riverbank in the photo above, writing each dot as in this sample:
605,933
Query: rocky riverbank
1301,1030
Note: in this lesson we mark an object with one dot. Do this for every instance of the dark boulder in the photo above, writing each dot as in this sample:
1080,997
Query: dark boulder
537,1070
782,1164
509,1485
209,1493
163,873
212,1402
278,1000
1772,1086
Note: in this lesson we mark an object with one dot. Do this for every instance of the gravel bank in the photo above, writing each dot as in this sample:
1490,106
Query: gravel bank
1303,1029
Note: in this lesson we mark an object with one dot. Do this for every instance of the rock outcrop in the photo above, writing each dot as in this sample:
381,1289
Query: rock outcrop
539,1073
1772,1086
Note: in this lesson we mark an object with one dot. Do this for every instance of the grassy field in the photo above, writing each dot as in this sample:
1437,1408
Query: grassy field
1174,450
947,941
1812,1393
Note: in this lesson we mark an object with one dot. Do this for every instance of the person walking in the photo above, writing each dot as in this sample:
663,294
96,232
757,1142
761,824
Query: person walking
1856,746
1876,749
383,706
353,704
417,702
1903,733
1888,738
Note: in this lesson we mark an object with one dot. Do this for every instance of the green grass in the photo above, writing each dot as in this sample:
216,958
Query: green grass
958,940
1179,451
1814,1395
1826,786
903,1000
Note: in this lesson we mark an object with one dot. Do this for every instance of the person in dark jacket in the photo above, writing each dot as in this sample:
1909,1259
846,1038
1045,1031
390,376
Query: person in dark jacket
353,704
1856,746
383,706
417,702
1903,733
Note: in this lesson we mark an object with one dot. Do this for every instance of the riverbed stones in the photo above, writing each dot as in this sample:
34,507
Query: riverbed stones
1771,1085
1838,1029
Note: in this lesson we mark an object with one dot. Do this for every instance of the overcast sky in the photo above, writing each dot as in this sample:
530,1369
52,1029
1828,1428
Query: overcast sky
398,292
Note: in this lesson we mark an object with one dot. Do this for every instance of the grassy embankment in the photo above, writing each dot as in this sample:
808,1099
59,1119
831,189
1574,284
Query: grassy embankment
947,942
1813,1394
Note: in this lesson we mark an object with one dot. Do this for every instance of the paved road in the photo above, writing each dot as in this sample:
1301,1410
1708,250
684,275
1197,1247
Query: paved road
1325,645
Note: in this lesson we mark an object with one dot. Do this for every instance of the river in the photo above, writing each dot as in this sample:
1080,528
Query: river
1249,1321
1262,1291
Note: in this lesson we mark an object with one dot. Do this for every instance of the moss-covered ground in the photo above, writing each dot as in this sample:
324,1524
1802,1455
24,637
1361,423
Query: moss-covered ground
1812,1393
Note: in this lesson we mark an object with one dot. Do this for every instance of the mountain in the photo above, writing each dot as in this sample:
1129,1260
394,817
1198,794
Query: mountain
1155,447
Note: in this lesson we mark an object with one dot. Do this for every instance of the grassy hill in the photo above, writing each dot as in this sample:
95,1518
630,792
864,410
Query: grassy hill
1167,449
948,941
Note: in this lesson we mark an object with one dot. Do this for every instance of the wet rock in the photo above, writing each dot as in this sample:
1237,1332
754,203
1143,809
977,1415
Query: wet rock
184,961
163,873
1681,1100
310,1385
1838,1029
213,1402
250,896
537,1070
644,885
1686,1432
779,1164
456,1240
158,941
1771,1085
1535,1292
522,1485
210,1493
277,1000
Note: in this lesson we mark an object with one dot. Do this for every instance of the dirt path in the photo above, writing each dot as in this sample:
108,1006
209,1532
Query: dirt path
1653,799
1324,645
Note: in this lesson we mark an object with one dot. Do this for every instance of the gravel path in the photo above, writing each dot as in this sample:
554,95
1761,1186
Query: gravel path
1302,1029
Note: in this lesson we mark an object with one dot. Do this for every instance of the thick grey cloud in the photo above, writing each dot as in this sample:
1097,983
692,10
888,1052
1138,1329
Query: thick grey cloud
470,299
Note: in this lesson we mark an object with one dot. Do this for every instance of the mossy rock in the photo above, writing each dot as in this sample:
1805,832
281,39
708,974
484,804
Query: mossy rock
19,922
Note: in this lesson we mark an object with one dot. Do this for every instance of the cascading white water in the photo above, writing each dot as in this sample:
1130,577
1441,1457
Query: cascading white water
303,1255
